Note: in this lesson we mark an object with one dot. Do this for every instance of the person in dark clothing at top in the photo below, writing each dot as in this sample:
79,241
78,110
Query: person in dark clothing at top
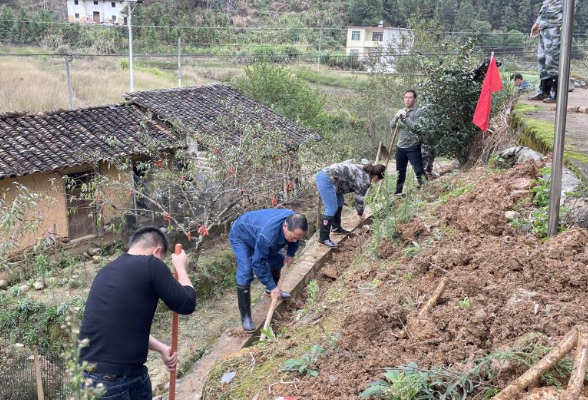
408,147
120,309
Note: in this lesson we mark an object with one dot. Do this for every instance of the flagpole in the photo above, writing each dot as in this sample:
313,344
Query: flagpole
560,117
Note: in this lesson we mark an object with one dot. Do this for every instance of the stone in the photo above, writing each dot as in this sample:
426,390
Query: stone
510,215
96,259
38,285
23,288
526,154
480,315
3,284
95,251
19,345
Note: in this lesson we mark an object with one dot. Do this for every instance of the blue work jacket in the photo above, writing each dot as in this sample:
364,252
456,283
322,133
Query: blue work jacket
262,231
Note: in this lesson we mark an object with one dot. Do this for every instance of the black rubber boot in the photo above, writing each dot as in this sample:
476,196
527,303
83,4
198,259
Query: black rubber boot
244,300
325,233
552,92
543,92
276,273
336,228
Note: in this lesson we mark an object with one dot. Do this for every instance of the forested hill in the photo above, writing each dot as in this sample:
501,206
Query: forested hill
202,23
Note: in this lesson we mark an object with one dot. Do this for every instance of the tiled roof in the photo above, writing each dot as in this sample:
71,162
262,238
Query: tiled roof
60,139
218,109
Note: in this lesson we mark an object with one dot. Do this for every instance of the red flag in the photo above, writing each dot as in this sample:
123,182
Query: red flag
492,83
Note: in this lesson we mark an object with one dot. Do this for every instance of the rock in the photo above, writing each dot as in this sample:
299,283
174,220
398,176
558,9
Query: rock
510,215
38,285
3,284
23,288
95,251
526,154
19,345
96,259
583,109
480,315
228,377
158,397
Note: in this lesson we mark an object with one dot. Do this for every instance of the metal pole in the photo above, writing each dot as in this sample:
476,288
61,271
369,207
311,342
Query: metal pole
69,86
179,62
560,117
129,16
318,63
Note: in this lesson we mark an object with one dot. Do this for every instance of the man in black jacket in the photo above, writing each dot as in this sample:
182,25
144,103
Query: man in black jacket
120,309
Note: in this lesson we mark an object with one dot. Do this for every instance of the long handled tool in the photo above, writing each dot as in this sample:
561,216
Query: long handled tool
388,157
174,341
270,312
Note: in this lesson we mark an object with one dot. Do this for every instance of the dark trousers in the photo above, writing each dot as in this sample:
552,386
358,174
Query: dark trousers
123,387
403,156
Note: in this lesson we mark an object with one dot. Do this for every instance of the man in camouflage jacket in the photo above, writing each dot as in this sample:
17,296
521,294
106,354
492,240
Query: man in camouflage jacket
548,27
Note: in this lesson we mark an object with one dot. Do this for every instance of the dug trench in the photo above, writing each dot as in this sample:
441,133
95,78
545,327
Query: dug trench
510,296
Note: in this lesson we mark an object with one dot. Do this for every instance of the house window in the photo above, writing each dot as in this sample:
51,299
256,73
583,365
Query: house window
374,52
113,18
377,36
76,2
354,52
125,20
113,4
355,35
95,3
77,16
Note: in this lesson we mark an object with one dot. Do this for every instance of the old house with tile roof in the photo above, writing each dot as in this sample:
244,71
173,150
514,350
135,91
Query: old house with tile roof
38,150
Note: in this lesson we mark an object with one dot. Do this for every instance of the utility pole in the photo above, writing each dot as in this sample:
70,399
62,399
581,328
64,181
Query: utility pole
68,59
179,62
318,63
560,117
129,26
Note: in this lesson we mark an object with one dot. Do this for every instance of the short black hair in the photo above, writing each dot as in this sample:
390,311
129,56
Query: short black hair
411,91
516,76
297,221
151,236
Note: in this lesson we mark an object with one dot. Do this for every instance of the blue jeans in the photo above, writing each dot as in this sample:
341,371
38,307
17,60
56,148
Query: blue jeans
123,387
243,253
331,199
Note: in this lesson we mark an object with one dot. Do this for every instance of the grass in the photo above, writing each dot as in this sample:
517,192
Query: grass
339,79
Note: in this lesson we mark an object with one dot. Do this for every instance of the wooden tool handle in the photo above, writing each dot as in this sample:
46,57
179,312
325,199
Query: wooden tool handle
174,341
270,312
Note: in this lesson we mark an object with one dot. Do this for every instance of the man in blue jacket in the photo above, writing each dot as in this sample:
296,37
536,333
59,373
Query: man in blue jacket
257,238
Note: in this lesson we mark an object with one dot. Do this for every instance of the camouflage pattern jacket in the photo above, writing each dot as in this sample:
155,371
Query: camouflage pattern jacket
551,14
348,178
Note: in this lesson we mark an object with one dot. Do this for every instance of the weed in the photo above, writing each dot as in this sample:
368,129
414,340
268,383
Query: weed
412,251
465,303
305,365
460,190
313,291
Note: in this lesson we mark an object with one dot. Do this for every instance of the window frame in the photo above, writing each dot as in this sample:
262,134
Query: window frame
353,36
380,36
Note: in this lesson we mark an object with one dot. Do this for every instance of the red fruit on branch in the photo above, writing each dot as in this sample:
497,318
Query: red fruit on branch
274,202
167,217
203,230
158,163
290,186
232,170
189,236
182,178
277,158
216,151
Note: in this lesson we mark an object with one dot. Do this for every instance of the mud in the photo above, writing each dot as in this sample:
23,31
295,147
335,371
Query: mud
515,285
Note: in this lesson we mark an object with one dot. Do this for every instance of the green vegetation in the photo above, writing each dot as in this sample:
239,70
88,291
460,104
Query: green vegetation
411,382
305,365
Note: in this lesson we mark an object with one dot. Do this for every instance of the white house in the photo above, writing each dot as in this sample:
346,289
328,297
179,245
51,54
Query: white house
96,11
366,41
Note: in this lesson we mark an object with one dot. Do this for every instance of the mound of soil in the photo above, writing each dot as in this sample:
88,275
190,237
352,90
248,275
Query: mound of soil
515,283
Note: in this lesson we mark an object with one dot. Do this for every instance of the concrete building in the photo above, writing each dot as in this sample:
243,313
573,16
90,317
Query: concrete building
96,11
373,41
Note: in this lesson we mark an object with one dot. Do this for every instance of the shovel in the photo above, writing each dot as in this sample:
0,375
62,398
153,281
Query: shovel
387,154
270,312
174,341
